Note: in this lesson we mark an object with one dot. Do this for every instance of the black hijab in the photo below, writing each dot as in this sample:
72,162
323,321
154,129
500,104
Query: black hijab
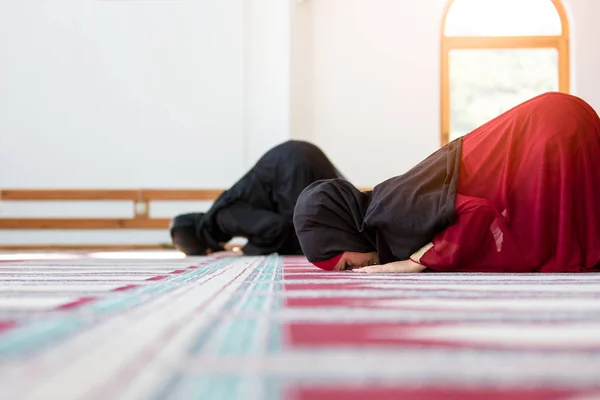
400,216
328,219
191,235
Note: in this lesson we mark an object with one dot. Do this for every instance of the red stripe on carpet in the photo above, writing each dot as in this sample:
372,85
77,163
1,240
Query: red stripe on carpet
325,302
76,303
378,393
157,278
324,286
124,288
7,325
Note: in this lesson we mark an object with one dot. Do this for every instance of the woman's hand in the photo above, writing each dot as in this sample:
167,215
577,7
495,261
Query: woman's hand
397,267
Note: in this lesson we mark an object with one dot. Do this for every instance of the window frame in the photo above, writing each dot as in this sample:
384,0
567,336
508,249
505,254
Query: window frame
448,43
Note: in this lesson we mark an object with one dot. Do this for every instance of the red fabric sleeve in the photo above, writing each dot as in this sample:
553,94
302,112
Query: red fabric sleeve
478,241
528,193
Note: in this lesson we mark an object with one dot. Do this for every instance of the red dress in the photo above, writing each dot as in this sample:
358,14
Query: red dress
528,193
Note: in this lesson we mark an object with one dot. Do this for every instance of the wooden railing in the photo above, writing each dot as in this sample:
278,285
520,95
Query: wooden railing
140,201
141,219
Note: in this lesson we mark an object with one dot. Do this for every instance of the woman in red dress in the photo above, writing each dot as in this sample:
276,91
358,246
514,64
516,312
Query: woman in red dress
518,194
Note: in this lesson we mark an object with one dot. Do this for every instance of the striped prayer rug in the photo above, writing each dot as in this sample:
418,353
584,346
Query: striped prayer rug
77,326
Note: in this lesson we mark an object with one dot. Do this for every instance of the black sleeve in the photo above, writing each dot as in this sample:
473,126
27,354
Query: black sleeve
266,231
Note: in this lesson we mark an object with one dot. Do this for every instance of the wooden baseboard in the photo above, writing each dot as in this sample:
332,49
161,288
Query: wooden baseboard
84,223
83,247
137,195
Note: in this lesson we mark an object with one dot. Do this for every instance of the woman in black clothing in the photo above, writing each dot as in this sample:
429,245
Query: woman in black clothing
259,207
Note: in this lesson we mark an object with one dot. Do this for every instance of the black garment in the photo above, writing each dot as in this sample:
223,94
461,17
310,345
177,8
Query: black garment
329,219
259,206
400,216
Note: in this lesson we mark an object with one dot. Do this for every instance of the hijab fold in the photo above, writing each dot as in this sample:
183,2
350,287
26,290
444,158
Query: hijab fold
329,219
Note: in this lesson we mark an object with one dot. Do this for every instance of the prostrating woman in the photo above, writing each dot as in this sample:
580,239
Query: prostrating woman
259,207
519,194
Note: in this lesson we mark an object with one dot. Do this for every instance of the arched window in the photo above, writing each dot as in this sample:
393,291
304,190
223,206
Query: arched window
496,54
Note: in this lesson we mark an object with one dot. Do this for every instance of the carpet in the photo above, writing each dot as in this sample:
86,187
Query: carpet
80,326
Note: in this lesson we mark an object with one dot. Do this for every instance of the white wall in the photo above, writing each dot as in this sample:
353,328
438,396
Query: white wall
302,70
267,92
121,93
585,57
128,94
375,90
